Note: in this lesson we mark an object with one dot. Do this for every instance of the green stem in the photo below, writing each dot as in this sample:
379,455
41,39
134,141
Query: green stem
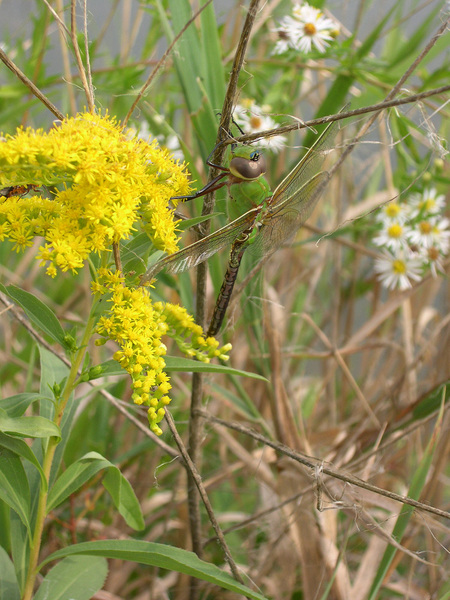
71,383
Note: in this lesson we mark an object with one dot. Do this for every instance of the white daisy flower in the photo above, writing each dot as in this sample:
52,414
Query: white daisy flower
427,203
394,236
396,271
251,118
394,211
433,260
308,28
431,232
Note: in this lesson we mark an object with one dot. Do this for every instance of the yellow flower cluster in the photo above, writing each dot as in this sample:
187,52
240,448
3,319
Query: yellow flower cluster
134,325
188,335
100,184
137,326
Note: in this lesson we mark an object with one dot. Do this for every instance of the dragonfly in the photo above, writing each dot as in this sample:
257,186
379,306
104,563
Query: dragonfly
268,219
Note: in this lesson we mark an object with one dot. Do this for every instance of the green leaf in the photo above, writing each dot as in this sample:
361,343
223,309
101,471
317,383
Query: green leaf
158,555
124,498
412,45
213,66
173,363
78,473
181,364
188,223
9,587
16,405
32,427
76,577
136,248
332,104
38,312
14,488
22,449
373,36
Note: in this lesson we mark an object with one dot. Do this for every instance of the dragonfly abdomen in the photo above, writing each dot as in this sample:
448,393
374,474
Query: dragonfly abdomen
224,297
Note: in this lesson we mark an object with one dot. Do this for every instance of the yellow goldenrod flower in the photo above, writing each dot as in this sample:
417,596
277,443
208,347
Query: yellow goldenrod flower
105,186
137,325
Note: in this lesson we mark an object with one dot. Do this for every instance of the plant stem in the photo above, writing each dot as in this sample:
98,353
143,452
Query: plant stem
53,442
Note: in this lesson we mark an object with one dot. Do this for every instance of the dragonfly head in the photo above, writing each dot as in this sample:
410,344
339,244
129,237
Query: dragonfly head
247,163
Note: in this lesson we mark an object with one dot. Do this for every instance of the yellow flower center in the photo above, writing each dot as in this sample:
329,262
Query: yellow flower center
428,204
433,254
399,267
255,122
310,29
395,230
392,209
425,227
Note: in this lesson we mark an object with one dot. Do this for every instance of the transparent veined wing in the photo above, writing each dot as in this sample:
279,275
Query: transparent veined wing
295,197
283,220
199,251
309,166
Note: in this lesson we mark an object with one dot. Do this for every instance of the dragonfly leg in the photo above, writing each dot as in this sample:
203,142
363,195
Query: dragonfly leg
212,186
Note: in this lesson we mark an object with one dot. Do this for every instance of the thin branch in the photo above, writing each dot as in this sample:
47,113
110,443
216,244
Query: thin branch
57,17
86,51
316,463
204,496
76,49
250,137
30,85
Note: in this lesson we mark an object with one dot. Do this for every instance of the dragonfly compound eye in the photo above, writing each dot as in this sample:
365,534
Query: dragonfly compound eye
248,168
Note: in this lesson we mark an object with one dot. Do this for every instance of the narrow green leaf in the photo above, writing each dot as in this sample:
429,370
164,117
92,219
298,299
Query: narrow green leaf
185,365
173,363
38,312
158,555
373,36
14,488
109,368
415,39
22,449
124,498
211,44
9,587
20,547
332,104
78,473
75,577
188,223
32,427
15,406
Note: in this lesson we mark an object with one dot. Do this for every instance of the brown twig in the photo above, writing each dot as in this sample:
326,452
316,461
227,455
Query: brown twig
30,85
87,86
204,496
251,137
316,463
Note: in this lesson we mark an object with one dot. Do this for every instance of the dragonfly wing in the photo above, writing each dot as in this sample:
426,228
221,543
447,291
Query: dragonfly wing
282,221
309,165
199,251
